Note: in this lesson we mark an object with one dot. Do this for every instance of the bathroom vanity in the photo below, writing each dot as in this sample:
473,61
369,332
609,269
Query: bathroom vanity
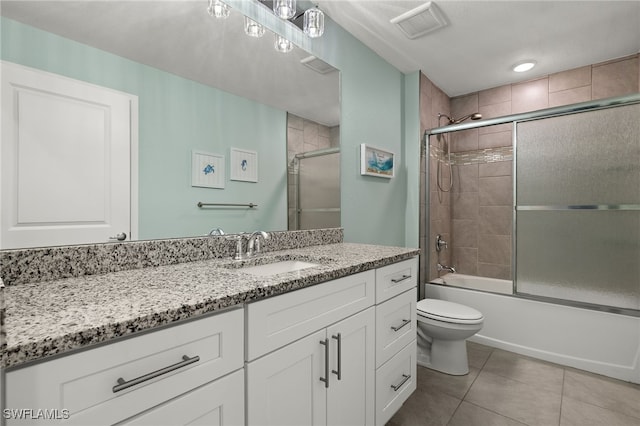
213,342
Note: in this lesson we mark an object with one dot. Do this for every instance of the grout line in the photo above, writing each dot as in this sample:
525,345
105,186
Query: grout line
564,371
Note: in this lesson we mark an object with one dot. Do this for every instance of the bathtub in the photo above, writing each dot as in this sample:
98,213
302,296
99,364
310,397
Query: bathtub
601,342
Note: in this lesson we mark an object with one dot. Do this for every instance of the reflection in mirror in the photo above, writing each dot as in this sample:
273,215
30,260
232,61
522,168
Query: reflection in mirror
200,85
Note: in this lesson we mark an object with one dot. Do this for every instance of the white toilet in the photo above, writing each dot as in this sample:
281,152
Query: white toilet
443,328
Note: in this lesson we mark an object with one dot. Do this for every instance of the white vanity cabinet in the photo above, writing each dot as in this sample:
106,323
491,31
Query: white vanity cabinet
166,376
312,355
396,316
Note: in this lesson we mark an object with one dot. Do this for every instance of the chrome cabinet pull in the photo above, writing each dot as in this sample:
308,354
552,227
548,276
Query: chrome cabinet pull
399,385
120,237
402,278
338,372
325,379
124,384
404,322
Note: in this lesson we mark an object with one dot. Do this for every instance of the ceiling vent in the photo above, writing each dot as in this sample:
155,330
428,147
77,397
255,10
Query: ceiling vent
420,21
318,65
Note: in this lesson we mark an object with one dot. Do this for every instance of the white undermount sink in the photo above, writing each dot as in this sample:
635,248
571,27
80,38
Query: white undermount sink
278,267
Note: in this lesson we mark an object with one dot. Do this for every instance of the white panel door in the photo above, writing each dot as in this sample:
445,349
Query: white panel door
350,397
284,387
65,170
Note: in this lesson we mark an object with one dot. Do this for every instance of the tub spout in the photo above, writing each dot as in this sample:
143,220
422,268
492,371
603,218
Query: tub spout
446,268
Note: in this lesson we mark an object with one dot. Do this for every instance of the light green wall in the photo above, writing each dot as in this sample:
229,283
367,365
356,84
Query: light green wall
378,106
176,115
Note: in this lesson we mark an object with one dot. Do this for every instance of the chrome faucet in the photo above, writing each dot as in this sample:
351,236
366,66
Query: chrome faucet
216,232
253,246
442,267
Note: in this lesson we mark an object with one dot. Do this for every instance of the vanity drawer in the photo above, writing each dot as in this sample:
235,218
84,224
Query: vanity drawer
391,280
395,382
395,325
275,322
155,367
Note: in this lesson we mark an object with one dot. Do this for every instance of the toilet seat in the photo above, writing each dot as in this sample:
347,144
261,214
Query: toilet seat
442,310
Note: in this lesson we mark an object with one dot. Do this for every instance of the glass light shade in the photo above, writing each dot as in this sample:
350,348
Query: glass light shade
313,24
282,44
218,9
252,28
285,9
524,66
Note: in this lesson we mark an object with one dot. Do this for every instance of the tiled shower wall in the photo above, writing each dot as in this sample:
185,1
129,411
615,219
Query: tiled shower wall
475,217
303,136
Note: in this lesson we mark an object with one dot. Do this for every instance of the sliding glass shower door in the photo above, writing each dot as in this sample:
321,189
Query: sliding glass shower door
318,189
577,207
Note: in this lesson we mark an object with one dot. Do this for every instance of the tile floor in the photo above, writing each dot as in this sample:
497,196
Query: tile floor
507,389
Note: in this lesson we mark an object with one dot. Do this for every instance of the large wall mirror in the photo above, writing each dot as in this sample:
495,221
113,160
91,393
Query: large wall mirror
202,85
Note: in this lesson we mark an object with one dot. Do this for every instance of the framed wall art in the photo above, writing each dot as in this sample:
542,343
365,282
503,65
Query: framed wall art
376,162
207,170
243,165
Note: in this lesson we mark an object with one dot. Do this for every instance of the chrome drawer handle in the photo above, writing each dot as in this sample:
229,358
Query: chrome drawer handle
325,379
404,322
399,385
124,384
402,278
338,372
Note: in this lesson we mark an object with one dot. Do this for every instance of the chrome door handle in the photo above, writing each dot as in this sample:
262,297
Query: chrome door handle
120,237
338,372
402,278
124,384
404,322
325,379
399,385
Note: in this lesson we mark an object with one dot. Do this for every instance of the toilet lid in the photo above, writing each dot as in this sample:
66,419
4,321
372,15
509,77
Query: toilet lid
448,311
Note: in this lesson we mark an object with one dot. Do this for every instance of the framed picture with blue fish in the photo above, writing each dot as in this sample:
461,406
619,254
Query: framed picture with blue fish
207,170
376,162
243,165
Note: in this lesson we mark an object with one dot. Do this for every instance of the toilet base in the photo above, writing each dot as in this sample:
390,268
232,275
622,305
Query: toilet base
445,356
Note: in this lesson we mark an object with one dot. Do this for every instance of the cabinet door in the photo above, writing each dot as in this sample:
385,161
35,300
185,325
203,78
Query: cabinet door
350,398
284,387
217,403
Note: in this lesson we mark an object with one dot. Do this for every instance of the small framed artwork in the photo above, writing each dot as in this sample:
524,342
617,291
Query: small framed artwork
376,162
243,165
207,169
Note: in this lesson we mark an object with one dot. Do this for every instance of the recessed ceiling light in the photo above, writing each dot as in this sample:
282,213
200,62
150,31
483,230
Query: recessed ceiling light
524,66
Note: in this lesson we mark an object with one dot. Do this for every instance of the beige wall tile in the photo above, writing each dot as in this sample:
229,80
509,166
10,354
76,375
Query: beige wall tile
615,78
530,96
465,233
494,140
493,96
570,79
466,140
499,168
464,105
295,122
570,96
295,140
465,260
495,191
464,205
491,270
494,249
492,111
465,178
495,220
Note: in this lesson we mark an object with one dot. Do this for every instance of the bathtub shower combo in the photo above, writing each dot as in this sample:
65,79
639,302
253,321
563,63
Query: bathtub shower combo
571,293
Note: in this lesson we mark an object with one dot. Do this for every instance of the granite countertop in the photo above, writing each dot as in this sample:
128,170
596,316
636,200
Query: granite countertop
52,317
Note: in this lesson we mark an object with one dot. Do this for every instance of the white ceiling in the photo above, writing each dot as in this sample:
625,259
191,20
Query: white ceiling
474,52
484,39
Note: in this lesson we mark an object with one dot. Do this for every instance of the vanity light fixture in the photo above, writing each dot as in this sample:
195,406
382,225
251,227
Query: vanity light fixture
285,9
313,24
524,66
282,45
218,9
252,28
